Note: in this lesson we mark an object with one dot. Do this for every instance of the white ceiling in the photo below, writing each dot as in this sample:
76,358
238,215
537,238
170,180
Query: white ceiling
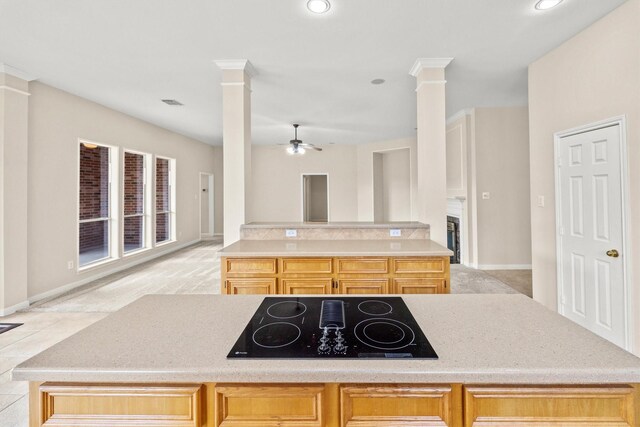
313,69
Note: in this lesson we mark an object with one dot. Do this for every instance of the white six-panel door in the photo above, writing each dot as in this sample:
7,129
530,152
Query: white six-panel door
590,215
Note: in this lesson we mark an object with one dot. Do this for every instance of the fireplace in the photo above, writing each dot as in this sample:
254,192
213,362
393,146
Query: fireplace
453,238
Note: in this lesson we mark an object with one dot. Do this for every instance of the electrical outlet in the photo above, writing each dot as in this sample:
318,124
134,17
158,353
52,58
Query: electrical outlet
541,201
486,195
291,233
395,232
70,265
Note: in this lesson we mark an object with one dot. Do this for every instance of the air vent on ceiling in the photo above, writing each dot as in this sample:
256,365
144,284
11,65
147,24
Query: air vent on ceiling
171,102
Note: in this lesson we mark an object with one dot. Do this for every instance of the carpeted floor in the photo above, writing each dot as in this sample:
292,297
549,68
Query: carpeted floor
465,280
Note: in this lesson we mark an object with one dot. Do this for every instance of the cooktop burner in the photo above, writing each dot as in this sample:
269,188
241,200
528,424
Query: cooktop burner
326,327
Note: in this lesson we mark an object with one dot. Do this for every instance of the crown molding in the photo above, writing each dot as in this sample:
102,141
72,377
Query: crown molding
422,63
236,64
8,69
460,114
432,82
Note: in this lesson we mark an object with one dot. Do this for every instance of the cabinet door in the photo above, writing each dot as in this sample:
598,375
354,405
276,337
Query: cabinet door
269,406
418,286
119,405
251,286
363,286
550,406
401,406
306,286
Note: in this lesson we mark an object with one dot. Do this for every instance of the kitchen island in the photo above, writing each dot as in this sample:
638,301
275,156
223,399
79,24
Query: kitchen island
335,258
504,360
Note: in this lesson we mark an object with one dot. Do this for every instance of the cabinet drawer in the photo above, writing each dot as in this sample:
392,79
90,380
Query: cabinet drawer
418,286
419,265
250,286
307,265
306,286
362,265
177,406
251,265
391,406
560,406
269,406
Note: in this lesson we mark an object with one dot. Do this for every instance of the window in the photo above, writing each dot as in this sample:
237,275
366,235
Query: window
95,204
165,200
135,202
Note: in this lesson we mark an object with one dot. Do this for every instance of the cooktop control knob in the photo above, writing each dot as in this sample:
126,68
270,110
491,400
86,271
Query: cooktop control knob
324,347
340,348
339,338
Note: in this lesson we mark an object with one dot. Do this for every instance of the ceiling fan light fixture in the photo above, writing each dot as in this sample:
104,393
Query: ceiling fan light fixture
301,150
291,150
547,4
318,6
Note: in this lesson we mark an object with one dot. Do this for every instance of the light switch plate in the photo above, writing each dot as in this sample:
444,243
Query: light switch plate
541,201
291,233
395,232
486,195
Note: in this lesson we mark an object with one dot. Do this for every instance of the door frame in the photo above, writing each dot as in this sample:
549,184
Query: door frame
302,175
210,200
619,121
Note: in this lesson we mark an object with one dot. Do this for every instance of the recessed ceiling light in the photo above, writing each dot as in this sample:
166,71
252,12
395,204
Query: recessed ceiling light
318,6
377,81
547,4
172,102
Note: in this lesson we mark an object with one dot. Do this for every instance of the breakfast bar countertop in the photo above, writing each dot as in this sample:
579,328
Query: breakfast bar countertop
332,248
505,339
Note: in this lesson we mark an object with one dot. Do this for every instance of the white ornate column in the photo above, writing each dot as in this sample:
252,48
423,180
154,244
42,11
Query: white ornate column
236,135
14,124
431,149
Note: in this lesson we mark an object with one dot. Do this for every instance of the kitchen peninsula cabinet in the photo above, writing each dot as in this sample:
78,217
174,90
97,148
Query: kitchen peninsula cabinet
503,361
344,275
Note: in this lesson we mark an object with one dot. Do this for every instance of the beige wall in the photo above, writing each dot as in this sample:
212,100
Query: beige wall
592,77
502,169
277,182
14,102
56,120
488,151
396,185
365,187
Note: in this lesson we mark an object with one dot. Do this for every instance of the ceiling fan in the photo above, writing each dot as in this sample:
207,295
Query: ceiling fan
297,146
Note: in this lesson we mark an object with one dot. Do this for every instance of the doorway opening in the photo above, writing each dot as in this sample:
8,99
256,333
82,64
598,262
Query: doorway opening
315,198
206,205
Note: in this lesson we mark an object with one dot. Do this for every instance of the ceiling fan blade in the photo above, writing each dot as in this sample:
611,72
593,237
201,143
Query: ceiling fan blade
313,147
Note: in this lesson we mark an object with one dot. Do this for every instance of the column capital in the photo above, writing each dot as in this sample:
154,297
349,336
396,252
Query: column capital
237,65
8,69
422,63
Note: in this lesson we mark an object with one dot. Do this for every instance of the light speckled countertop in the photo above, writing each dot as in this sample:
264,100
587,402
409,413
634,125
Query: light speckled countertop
329,248
503,339
344,224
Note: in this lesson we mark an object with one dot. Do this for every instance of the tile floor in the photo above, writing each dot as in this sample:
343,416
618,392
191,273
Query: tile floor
191,270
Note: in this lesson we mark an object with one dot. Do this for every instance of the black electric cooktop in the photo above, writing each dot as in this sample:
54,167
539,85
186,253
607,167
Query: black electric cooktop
328,327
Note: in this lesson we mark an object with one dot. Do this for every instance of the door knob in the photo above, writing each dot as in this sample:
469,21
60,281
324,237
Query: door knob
613,253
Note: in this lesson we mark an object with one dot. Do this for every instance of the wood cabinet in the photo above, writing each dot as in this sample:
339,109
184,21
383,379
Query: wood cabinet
339,275
270,405
401,405
550,406
333,405
248,286
118,405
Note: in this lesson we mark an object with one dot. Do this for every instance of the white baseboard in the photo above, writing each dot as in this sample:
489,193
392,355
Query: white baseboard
10,310
71,286
504,267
